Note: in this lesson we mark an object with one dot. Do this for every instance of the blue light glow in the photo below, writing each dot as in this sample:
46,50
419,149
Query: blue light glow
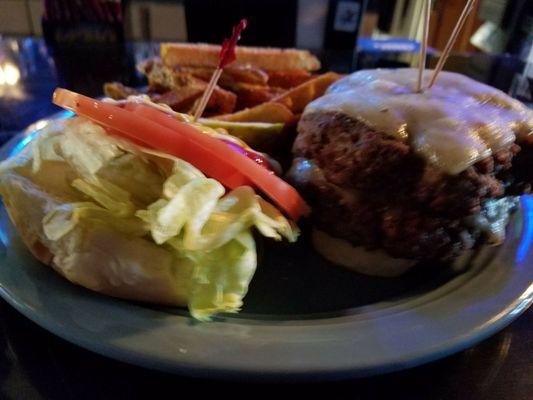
24,142
527,236
66,114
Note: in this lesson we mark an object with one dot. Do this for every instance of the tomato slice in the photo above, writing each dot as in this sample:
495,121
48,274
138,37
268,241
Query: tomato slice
283,194
148,133
159,130
256,158
160,116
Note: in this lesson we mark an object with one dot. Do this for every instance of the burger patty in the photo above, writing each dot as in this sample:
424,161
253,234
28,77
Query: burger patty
373,190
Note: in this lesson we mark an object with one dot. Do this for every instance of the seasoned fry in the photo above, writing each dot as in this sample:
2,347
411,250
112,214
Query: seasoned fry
251,95
230,76
160,79
118,91
266,112
145,66
180,89
247,74
297,98
221,102
181,99
288,79
273,88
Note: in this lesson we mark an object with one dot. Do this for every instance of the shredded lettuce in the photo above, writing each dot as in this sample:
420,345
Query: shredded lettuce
221,276
61,220
142,193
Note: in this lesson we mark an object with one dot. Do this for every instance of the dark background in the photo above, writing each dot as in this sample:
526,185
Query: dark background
211,20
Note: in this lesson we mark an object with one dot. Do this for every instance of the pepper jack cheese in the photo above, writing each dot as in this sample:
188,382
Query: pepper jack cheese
453,125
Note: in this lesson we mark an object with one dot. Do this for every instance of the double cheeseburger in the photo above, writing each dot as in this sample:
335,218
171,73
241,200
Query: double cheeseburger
395,177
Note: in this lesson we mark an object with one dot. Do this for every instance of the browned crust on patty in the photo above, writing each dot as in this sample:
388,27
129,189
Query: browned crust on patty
374,191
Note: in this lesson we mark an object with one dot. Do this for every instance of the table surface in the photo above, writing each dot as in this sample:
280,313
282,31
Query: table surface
35,364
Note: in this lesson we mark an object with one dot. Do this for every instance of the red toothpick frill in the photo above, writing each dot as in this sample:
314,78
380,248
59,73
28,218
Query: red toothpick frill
227,52
226,56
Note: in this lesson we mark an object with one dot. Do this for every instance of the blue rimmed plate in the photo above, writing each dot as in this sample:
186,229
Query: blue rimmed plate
303,317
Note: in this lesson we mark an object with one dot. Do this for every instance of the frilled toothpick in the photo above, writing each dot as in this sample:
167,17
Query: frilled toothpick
226,56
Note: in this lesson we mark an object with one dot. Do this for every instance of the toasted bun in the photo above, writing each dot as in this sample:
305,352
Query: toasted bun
98,258
374,263
268,58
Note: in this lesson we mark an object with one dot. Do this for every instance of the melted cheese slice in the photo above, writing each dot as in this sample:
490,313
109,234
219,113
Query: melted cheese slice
453,125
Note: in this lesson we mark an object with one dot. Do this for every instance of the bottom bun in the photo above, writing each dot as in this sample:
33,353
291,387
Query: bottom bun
374,263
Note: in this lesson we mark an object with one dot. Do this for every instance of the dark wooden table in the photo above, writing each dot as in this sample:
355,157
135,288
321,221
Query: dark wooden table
35,364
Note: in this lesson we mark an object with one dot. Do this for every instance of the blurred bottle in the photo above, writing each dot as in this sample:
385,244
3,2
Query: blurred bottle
68,22
86,39
522,85
519,23
342,29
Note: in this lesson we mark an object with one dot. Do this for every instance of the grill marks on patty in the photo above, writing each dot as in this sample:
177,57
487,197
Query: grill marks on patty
372,190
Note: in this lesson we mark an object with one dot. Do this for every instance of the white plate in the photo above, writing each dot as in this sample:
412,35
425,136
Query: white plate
303,319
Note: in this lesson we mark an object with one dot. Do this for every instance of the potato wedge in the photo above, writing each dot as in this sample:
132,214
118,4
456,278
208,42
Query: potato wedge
118,91
297,98
249,95
288,79
266,112
230,75
180,100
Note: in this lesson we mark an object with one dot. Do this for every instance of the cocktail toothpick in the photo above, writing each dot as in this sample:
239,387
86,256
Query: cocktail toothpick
424,44
226,56
451,41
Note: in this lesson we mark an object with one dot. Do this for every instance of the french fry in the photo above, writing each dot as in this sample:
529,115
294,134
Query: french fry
276,95
247,74
230,76
118,91
180,89
180,100
145,66
288,79
160,79
297,98
266,112
221,102
251,95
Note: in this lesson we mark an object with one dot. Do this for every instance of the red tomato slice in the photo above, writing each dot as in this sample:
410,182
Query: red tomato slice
159,130
146,132
256,158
